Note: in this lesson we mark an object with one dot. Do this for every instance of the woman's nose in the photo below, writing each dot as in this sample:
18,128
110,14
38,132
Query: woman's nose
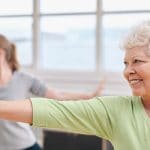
129,70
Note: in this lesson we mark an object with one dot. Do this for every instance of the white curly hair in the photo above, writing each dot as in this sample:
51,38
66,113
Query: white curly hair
139,36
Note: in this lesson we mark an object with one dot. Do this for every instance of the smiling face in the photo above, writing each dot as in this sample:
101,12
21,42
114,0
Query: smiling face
137,70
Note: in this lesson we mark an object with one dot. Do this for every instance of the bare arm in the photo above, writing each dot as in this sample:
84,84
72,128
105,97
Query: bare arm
20,111
61,95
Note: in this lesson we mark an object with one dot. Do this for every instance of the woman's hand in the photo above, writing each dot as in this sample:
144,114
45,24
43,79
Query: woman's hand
100,88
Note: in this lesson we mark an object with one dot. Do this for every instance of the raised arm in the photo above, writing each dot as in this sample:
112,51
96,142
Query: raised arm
20,111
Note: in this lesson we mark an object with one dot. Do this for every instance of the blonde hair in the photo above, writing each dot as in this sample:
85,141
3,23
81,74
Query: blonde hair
139,36
11,54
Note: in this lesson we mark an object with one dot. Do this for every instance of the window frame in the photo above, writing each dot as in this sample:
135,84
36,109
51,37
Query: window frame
85,75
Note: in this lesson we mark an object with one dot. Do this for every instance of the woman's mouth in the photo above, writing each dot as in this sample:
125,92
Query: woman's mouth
135,81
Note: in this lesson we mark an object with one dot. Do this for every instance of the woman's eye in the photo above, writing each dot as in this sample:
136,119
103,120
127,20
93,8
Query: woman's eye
137,61
125,63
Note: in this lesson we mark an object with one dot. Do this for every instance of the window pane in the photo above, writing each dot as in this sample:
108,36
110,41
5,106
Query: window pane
53,6
68,42
11,7
114,29
19,31
109,5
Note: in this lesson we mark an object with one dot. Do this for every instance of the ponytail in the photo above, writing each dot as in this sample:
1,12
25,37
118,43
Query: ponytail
12,58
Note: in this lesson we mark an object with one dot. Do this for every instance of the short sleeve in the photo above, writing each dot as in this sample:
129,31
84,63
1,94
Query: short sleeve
38,87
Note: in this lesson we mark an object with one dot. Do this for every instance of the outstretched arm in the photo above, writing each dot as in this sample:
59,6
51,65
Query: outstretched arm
87,117
61,95
20,111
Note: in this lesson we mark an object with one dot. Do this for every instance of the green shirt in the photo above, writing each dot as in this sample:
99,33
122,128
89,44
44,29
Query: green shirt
121,120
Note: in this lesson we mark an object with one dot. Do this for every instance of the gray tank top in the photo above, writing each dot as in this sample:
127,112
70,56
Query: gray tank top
17,136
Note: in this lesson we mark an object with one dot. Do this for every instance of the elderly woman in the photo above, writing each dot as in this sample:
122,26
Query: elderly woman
123,120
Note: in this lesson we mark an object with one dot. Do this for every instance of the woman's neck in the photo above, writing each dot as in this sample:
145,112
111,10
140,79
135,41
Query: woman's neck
146,104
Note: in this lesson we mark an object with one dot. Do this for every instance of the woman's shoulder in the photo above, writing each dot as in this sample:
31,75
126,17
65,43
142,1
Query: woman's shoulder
23,75
118,100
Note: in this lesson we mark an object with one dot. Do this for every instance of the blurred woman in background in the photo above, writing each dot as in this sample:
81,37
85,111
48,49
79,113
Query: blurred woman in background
14,85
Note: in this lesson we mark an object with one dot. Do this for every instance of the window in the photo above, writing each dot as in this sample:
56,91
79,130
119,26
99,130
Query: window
122,5
68,43
16,24
16,7
68,35
67,6
63,35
